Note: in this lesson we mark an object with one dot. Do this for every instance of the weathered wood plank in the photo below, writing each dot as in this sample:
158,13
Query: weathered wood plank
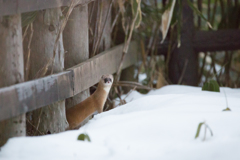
204,41
27,96
88,73
9,7
221,40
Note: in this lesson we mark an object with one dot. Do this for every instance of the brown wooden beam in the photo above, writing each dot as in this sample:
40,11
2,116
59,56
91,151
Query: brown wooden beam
220,40
28,96
9,7
204,41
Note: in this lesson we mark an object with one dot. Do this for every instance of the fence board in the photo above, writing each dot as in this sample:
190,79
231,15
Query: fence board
107,62
221,40
204,41
23,97
9,7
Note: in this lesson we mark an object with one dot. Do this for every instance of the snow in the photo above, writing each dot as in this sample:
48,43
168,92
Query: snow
159,125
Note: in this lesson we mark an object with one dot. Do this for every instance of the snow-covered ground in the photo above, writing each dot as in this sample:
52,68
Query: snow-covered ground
159,125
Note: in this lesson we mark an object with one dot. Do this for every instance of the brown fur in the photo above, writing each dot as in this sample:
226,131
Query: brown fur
81,111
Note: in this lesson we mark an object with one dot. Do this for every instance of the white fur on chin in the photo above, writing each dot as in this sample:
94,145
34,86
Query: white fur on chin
107,88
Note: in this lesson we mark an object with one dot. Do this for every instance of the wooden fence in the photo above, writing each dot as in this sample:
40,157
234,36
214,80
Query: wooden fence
24,97
28,96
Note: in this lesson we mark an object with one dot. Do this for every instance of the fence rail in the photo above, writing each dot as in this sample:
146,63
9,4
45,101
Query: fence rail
23,97
204,41
10,7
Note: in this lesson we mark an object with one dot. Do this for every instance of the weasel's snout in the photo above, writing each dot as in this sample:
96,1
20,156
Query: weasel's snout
107,80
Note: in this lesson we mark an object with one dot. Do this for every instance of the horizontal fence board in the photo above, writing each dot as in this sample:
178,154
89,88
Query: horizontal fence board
221,40
23,97
204,41
10,7
89,72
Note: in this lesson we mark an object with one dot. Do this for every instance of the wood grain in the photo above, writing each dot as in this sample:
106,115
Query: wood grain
205,41
28,96
221,40
9,7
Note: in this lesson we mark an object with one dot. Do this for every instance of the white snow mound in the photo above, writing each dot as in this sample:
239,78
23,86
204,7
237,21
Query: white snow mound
159,125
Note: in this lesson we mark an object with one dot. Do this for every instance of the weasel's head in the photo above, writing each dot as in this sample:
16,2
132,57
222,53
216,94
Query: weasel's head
106,81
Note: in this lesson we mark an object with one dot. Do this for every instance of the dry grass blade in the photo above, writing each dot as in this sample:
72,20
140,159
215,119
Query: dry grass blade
132,84
25,32
96,47
39,119
115,20
166,20
29,53
126,45
90,17
34,127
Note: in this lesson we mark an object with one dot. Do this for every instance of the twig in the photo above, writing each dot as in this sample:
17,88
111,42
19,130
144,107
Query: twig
39,119
126,46
95,29
91,13
34,127
131,84
115,20
96,48
29,53
25,32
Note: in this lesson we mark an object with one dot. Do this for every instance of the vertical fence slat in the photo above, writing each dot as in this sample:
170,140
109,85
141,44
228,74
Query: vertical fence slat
75,39
11,72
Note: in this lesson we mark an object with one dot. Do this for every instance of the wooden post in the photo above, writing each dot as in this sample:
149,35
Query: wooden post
11,71
52,118
183,66
75,39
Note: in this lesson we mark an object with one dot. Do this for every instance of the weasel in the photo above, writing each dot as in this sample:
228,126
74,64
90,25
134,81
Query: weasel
95,102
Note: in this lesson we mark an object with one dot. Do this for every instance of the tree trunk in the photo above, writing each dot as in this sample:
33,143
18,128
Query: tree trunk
183,66
75,39
11,71
52,118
